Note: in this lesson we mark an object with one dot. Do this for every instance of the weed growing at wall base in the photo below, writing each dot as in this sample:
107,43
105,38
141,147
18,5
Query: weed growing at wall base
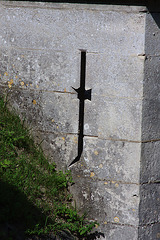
34,196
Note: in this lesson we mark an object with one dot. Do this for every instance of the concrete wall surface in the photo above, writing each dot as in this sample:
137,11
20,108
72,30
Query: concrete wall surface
149,209
40,63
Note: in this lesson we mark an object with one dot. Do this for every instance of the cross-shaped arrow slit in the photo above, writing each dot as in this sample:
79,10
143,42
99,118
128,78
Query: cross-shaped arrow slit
82,96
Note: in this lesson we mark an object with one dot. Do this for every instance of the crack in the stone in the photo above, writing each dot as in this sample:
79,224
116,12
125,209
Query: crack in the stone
149,224
123,224
151,182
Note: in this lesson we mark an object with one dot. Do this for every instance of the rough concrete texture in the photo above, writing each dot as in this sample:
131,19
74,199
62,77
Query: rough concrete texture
59,147
150,163
150,204
113,80
152,46
45,66
149,208
95,193
37,108
40,63
109,118
107,159
148,232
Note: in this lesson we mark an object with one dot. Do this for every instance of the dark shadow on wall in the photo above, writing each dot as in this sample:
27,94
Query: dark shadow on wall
17,214
95,236
152,5
156,17
113,2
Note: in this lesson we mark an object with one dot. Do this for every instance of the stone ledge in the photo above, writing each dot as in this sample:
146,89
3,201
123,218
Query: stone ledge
77,6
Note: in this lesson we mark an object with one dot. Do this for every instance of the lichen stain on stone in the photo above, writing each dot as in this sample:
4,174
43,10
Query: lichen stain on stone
116,185
22,83
96,153
105,183
65,90
158,235
52,120
63,138
10,83
34,101
75,139
113,182
16,76
96,225
100,166
105,222
6,74
133,210
116,219
92,174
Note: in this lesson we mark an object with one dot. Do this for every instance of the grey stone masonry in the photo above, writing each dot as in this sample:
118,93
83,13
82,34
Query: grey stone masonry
117,179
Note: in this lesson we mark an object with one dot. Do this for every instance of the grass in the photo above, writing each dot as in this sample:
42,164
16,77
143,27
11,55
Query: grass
34,196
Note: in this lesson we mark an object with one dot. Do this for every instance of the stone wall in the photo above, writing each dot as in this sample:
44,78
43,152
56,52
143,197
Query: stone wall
150,152
40,63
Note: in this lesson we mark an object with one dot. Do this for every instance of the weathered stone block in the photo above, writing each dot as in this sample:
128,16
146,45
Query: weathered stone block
109,77
120,232
149,204
112,160
150,120
81,29
45,70
151,78
150,164
120,202
149,232
28,105
40,112
152,46
61,148
113,118
66,108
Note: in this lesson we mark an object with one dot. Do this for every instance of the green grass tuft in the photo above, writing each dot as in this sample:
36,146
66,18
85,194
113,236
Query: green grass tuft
33,194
